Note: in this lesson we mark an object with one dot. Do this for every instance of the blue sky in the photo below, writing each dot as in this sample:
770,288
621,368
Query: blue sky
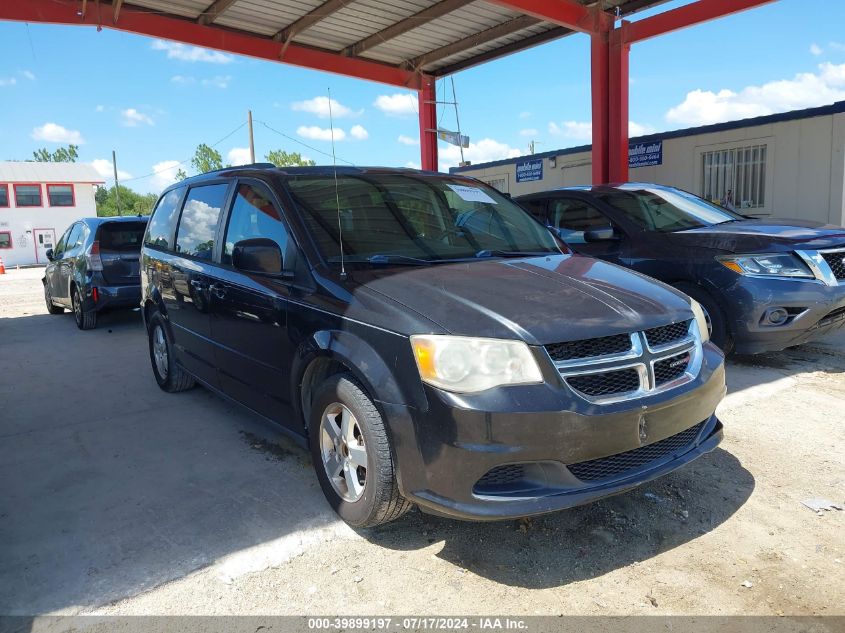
154,103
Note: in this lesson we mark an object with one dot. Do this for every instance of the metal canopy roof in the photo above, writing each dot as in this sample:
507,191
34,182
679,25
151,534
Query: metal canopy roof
436,37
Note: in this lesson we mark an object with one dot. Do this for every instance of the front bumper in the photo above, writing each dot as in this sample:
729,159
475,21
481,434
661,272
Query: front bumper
444,452
819,310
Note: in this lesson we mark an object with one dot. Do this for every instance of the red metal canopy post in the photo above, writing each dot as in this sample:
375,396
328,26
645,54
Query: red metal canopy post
428,124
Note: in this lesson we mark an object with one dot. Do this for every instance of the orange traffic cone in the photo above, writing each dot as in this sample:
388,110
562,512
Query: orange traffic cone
2,267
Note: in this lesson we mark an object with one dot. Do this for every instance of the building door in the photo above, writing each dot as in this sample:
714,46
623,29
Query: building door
45,239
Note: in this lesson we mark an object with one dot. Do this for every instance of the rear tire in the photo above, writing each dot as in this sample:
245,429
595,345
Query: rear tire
52,308
345,431
85,319
168,374
717,322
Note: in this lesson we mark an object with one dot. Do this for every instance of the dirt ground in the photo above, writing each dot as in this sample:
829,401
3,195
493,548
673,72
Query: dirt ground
728,534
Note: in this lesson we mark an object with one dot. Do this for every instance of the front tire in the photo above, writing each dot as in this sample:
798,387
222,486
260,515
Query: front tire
717,323
85,319
168,374
52,308
352,455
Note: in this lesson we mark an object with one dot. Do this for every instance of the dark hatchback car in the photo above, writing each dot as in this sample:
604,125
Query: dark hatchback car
451,355
765,284
95,267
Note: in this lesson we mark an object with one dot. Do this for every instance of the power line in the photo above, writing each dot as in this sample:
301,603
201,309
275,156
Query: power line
296,140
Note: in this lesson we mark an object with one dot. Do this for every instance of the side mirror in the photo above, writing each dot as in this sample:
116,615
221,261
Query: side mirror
49,254
602,234
258,255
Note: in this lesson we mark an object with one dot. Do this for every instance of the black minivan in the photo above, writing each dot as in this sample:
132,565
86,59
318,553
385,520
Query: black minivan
430,341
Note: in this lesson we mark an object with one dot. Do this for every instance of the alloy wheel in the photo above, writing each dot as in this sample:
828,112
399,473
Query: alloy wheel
343,451
77,307
160,352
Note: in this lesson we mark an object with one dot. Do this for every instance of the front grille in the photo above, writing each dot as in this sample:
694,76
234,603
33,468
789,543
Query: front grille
606,383
669,369
666,334
618,465
836,261
830,317
502,476
572,350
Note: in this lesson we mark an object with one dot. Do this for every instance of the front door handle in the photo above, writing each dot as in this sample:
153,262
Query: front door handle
198,284
218,290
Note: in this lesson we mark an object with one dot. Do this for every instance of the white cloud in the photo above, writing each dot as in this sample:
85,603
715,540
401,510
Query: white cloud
9,81
54,133
359,133
408,140
483,151
528,132
106,170
28,74
316,133
239,156
815,49
218,81
398,104
182,79
132,118
412,165
639,129
805,90
525,115
100,108
165,173
575,130
186,53
320,107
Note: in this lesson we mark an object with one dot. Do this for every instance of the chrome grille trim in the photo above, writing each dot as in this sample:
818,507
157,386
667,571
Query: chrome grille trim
819,265
642,358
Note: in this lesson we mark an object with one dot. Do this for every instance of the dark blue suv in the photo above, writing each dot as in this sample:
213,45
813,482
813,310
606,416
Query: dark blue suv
765,284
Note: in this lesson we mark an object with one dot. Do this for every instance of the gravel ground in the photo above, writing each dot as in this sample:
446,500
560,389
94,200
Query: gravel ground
726,535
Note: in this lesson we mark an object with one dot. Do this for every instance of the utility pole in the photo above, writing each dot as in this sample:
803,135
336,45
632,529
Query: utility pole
116,184
251,139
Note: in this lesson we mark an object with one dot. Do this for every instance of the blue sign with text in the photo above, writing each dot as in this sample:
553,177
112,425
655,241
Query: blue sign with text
645,154
529,170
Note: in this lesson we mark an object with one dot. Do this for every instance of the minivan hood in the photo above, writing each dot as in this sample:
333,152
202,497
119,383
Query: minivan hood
540,300
763,235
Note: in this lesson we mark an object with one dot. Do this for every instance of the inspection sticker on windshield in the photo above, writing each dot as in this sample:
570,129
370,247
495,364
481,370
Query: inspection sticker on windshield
471,194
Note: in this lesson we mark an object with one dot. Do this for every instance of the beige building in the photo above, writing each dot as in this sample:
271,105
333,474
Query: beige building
783,165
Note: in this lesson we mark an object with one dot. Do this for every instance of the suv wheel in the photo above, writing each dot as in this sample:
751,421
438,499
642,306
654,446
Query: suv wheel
716,321
85,319
352,454
169,376
52,308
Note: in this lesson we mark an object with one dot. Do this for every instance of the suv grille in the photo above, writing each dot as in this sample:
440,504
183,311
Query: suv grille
672,368
666,334
836,261
616,344
606,383
616,466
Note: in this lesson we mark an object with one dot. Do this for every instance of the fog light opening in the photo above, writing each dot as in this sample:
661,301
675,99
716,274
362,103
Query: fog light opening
775,316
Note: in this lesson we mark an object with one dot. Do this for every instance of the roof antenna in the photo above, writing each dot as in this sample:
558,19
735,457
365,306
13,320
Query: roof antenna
336,194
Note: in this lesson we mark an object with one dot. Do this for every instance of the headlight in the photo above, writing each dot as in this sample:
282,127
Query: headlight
700,320
778,265
468,365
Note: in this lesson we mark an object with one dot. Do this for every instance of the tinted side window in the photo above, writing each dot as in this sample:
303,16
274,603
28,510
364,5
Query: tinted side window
74,241
253,215
163,223
573,217
537,208
198,224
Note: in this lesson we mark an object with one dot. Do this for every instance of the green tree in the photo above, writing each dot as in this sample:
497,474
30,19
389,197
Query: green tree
181,175
67,154
131,202
281,158
206,159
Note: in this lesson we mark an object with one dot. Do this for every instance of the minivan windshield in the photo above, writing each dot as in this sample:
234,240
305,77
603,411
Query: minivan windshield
666,210
414,220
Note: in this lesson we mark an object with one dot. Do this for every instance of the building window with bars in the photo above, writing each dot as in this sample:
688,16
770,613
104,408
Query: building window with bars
736,177
498,183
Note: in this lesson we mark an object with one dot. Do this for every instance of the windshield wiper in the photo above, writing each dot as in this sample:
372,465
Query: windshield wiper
384,259
500,253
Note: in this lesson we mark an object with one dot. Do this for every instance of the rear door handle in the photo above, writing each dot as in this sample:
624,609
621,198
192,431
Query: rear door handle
218,290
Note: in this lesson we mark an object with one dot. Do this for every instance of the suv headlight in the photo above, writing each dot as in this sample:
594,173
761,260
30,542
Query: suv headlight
700,320
468,365
777,265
